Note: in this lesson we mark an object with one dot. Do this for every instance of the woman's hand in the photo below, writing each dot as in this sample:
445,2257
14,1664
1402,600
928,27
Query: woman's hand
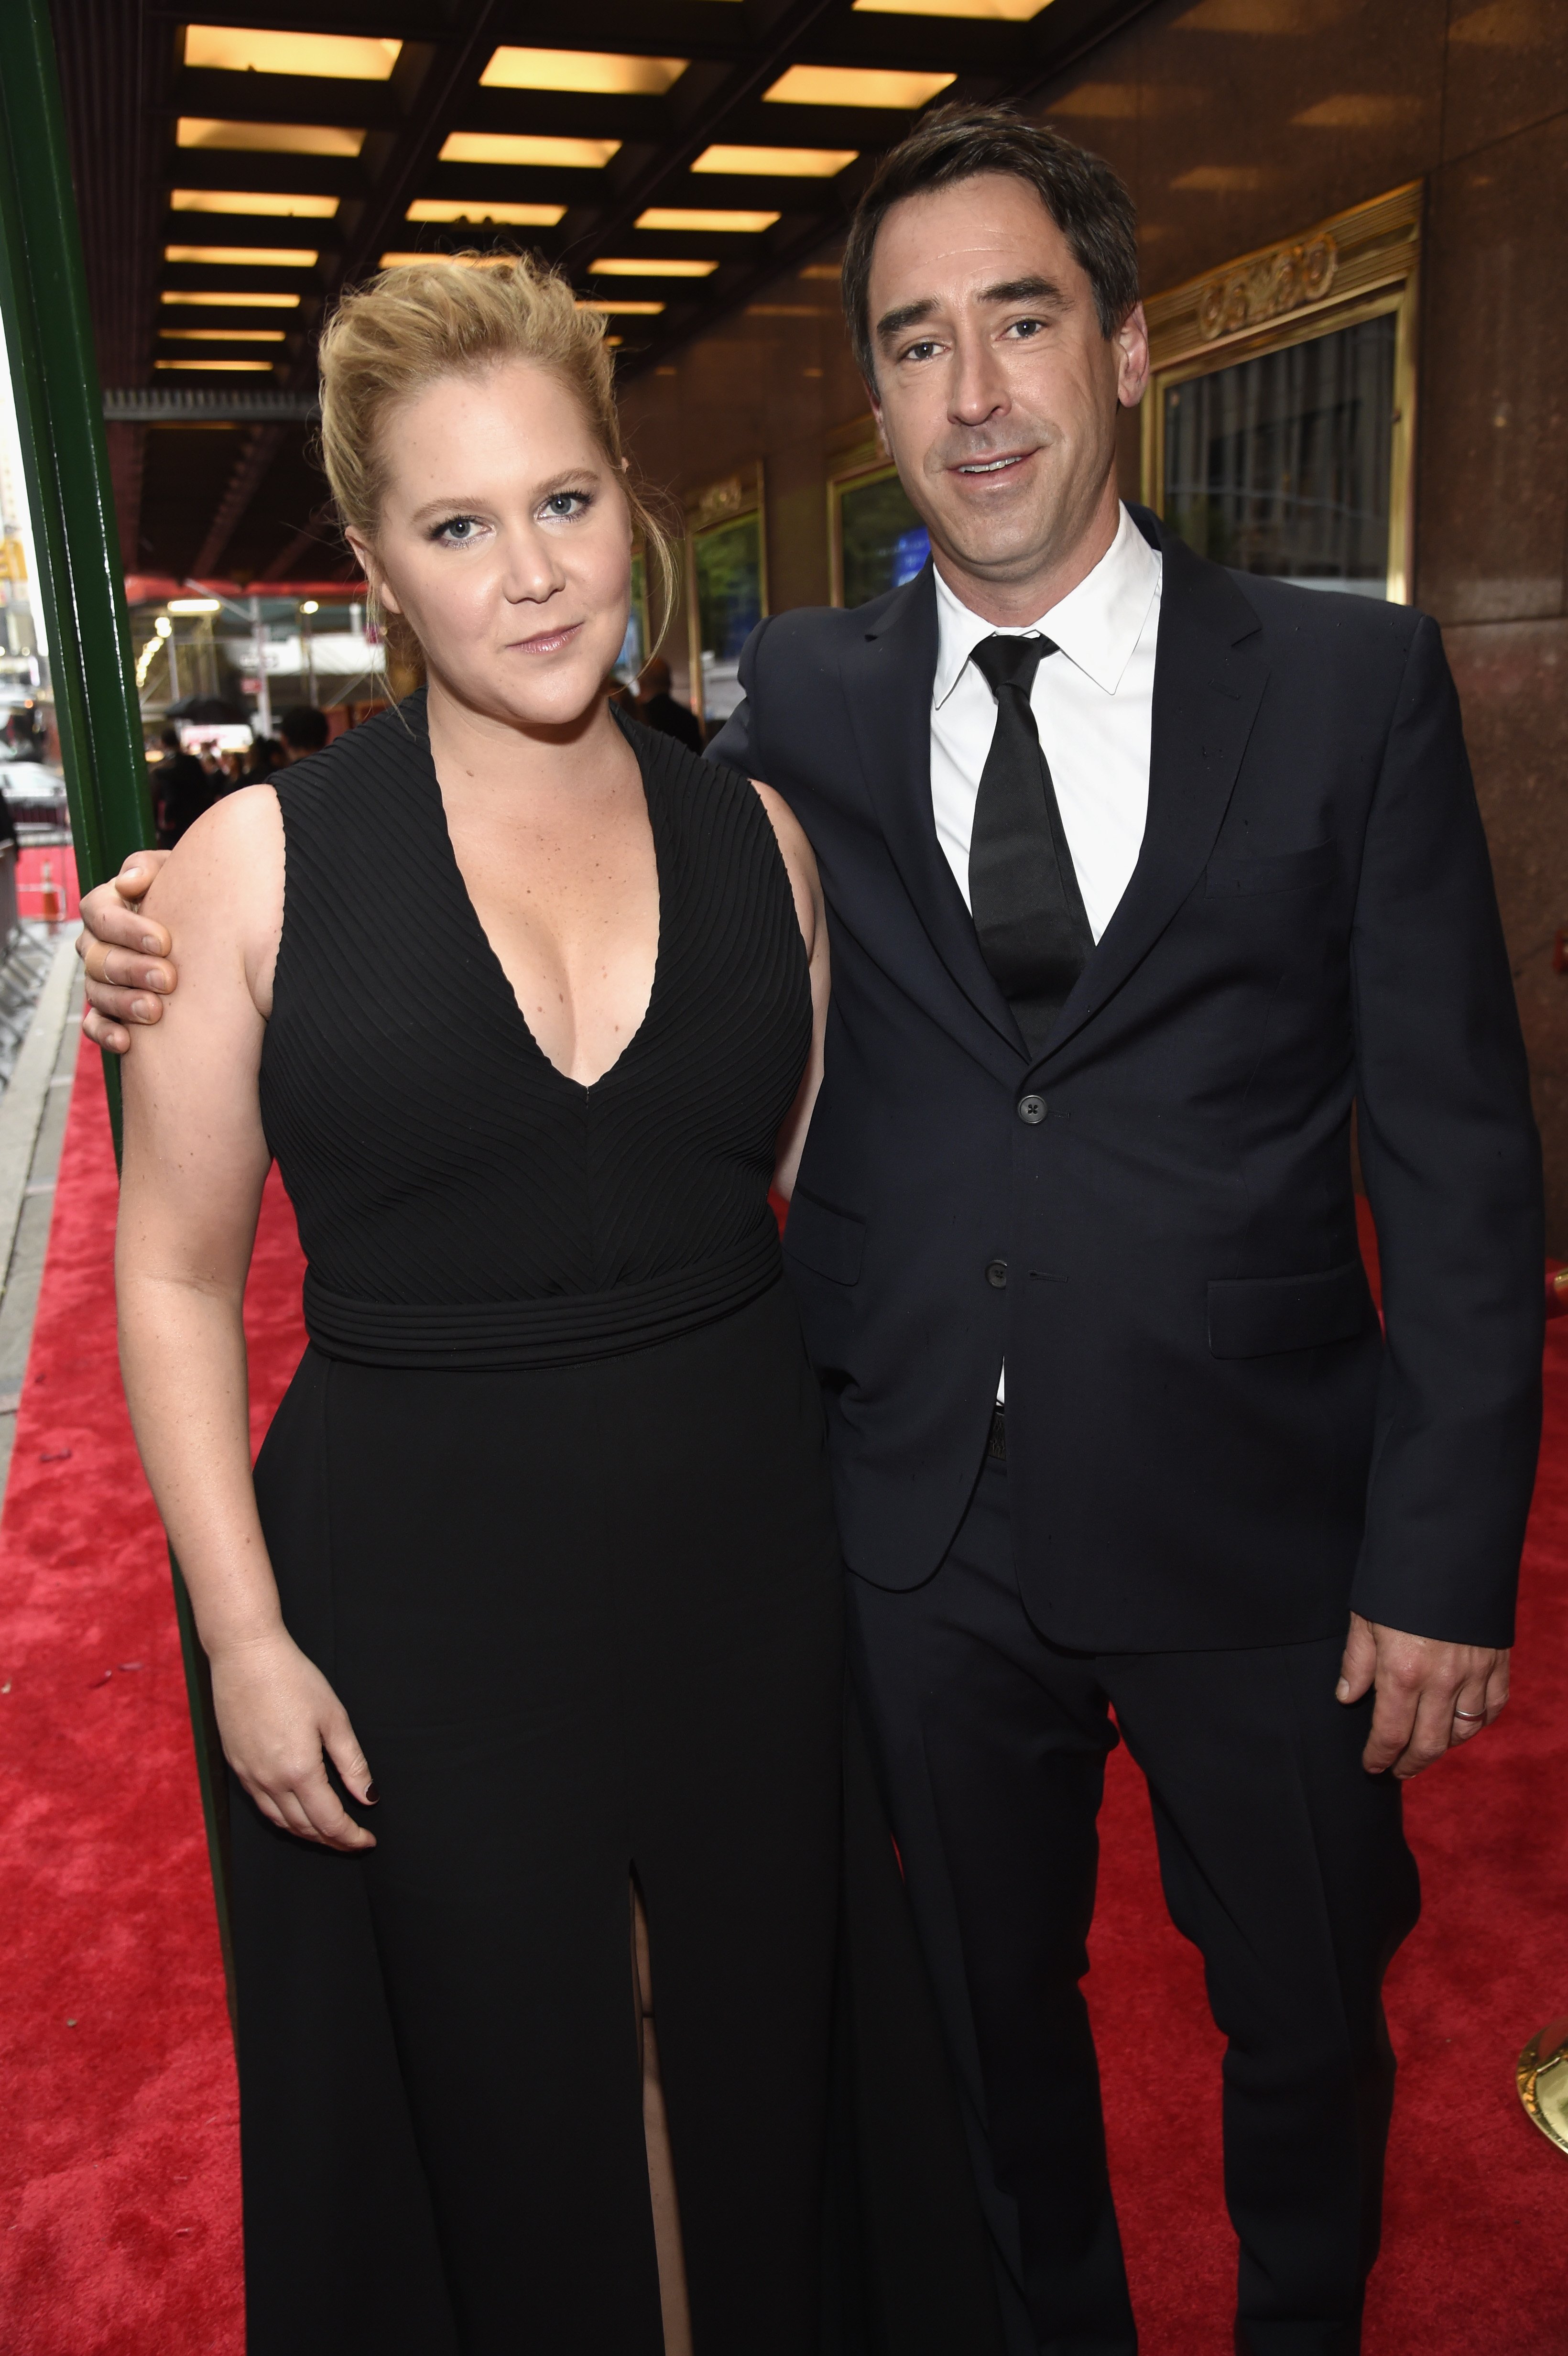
126,955
277,1714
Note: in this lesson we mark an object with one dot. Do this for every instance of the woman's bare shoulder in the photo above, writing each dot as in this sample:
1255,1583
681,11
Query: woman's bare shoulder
222,886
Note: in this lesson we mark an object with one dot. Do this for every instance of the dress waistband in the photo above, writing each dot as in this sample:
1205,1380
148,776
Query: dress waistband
562,1330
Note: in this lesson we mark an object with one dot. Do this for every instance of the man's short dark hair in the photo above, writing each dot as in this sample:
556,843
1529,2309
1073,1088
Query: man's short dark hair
169,738
304,727
1081,194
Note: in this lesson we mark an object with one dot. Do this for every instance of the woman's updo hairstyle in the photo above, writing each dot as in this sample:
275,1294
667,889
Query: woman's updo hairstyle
390,338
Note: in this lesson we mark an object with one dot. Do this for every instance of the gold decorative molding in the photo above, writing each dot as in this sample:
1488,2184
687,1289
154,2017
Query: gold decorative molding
1373,245
1282,280
1542,2078
737,495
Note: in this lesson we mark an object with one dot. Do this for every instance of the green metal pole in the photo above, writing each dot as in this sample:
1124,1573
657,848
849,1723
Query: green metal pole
65,458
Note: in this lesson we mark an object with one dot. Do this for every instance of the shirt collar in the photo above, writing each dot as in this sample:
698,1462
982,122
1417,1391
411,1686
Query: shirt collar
1097,625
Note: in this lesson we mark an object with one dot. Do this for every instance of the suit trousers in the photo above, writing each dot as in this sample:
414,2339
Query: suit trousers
1281,1858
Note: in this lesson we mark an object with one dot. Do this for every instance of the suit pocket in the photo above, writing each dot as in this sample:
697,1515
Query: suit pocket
1231,873
1253,1316
828,1242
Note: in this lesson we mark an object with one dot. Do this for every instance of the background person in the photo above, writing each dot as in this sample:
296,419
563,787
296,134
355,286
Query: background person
303,730
181,790
656,707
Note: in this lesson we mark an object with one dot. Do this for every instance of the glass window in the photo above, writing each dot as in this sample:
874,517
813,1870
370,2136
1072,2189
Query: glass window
1282,463
728,559
883,542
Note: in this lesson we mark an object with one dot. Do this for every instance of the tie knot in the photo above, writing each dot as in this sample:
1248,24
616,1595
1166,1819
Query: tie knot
1010,663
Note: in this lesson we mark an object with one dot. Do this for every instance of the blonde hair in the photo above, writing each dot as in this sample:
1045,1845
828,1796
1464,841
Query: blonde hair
390,338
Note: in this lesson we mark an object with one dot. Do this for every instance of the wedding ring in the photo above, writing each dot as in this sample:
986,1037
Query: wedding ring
1470,1713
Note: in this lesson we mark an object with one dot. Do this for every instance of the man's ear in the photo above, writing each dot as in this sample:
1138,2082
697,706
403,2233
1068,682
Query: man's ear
1131,340
874,401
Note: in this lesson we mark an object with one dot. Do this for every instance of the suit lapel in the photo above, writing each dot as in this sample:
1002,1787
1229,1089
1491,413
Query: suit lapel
1207,684
887,678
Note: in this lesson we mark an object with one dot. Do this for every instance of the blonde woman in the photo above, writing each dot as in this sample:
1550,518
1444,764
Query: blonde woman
526,1636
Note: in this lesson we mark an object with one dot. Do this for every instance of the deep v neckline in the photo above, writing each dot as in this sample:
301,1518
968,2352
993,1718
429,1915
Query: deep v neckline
487,947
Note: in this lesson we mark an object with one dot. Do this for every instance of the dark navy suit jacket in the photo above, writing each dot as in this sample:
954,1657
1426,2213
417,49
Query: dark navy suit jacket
1209,1442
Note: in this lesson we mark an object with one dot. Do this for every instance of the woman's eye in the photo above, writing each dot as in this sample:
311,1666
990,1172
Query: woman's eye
566,503
457,530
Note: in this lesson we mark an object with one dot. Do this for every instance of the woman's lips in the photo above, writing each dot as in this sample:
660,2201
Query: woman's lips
548,642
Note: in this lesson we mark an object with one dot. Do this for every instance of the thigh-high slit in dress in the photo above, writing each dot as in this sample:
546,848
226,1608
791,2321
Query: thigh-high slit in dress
547,1501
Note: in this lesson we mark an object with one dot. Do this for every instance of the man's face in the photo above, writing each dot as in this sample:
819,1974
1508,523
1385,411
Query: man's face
996,389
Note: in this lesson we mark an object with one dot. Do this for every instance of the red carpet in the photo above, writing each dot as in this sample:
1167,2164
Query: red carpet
118,2177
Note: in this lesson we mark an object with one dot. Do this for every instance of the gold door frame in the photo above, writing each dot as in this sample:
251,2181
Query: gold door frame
860,457
1356,265
737,495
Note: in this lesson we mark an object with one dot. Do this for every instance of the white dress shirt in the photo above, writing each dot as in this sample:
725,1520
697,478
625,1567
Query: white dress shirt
1092,704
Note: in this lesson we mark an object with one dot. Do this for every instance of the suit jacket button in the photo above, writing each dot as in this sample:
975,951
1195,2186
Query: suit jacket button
997,1274
1032,1109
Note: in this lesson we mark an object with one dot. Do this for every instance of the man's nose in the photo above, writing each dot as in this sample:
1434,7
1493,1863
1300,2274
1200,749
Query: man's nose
979,385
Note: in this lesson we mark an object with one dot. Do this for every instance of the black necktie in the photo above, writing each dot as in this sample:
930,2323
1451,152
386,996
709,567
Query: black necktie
1023,890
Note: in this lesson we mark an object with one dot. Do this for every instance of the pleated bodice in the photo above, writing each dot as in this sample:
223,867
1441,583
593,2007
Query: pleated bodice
461,1200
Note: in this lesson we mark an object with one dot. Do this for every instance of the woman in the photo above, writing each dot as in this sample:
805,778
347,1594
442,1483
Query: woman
524,1639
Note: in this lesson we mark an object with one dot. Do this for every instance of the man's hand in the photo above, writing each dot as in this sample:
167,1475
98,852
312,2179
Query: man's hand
1429,1696
126,955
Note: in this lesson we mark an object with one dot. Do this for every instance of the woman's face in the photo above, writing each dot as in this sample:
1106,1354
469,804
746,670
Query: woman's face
505,540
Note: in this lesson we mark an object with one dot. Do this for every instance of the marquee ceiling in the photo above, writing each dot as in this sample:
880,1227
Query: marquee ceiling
680,156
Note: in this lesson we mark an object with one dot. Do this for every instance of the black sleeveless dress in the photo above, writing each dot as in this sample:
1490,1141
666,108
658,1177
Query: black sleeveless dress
548,1503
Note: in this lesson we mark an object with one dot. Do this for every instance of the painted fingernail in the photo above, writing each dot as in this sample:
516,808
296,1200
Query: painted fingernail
371,1794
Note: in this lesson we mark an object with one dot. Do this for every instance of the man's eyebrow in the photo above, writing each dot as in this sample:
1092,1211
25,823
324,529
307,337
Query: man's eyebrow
1032,289
893,323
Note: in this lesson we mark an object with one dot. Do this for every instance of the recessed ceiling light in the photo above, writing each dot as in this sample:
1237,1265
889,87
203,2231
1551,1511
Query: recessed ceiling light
855,86
834,270
269,138
706,223
777,162
1013,12
593,69
479,210
510,148
231,366
336,57
220,335
630,268
249,200
246,257
236,298
640,310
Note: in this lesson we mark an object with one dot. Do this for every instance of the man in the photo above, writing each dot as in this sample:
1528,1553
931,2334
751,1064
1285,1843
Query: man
181,789
1138,874
656,707
302,731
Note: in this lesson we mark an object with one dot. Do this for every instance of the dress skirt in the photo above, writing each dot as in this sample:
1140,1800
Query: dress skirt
587,1624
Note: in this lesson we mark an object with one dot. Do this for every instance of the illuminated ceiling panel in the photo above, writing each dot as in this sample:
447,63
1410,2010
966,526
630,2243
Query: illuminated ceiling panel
247,200
592,69
509,147
478,210
855,86
237,298
1012,12
220,335
270,138
631,268
336,57
706,222
641,310
777,162
231,366
246,257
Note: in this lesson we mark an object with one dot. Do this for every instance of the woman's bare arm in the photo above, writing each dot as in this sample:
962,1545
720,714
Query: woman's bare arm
800,860
194,1163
